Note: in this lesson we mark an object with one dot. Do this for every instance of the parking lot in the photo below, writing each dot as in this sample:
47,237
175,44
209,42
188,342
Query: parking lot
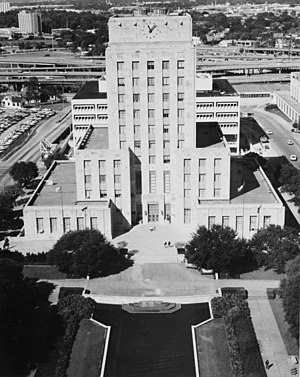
15,123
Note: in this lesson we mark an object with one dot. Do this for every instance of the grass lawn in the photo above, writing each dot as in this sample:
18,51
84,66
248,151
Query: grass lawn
86,357
253,365
43,272
260,274
213,354
289,341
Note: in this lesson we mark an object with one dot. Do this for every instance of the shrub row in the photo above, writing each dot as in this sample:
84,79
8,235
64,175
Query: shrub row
240,335
72,309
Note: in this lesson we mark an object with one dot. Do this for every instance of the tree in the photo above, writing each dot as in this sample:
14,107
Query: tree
6,210
275,246
27,321
87,252
290,293
32,89
24,172
218,249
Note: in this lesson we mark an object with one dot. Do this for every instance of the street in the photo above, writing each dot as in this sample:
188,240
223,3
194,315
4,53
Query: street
30,151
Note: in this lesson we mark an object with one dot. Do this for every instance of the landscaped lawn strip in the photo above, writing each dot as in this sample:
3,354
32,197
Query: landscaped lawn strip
249,350
279,314
42,272
212,349
87,352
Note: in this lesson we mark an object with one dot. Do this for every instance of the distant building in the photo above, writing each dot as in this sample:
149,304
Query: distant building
30,23
4,7
57,32
12,101
9,32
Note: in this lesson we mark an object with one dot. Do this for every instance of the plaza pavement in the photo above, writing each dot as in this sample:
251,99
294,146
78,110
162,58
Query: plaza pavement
157,275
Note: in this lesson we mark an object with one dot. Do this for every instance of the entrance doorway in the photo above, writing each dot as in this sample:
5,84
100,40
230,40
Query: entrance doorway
153,213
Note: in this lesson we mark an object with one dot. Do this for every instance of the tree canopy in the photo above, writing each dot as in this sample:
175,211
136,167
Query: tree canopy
6,211
274,246
24,172
216,248
27,321
87,252
290,294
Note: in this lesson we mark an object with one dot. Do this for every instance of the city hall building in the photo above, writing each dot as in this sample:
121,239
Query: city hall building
153,142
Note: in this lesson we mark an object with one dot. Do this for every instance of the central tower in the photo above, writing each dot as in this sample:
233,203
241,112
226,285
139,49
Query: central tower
150,67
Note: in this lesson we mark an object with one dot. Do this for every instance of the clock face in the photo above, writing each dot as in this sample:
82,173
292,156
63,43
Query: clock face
150,30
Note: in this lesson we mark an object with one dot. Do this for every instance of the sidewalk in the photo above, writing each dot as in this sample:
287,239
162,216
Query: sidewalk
269,338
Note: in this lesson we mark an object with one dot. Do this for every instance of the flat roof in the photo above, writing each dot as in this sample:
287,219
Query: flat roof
90,90
286,96
208,134
62,191
98,139
260,87
256,189
221,87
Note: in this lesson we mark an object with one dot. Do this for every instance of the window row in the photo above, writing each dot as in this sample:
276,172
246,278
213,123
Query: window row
150,81
82,223
166,182
165,64
136,98
151,113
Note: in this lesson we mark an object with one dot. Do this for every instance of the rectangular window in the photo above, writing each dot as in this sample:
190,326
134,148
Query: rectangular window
151,113
152,144
187,178
40,225
211,221
118,193
53,224
151,129
187,215
180,113
122,144
239,224
102,164
80,223
166,158
180,97
217,193
135,66
180,128
217,163
152,159
166,113
136,97
137,129
102,181
202,180
103,194
94,223
180,64
166,144
202,193
67,224
166,97
202,165
225,221
150,81
87,179
121,81
165,64
180,143
122,130
166,129
180,81
137,147
87,164
135,82
267,221
136,114
165,81
121,98
167,182
150,97
152,182
117,164
217,178
253,223
88,194
187,193
117,178
121,114
120,66
187,164
150,65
